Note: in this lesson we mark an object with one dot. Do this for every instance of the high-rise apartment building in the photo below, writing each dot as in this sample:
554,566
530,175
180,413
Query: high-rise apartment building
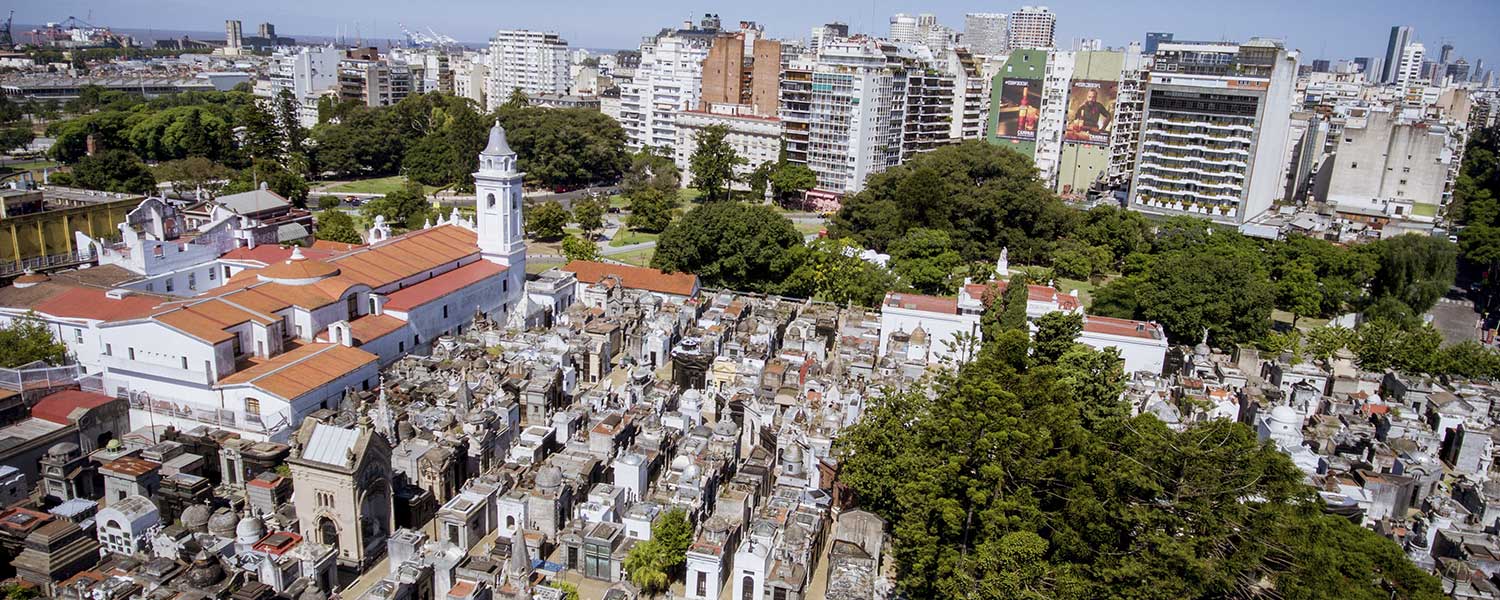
984,33
533,62
668,80
233,37
307,73
842,111
742,69
904,29
1400,37
829,32
1393,167
1154,39
1032,27
1409,68
1214,140
1076,114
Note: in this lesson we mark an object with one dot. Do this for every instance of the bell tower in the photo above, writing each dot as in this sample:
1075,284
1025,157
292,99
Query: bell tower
497,208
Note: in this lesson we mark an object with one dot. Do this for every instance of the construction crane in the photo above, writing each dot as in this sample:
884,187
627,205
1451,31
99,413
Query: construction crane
431,39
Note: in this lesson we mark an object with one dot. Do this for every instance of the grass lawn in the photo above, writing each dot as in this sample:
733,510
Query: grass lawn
1304,323
534,266
619,201
32,165
383,185
626,237
806,228
1085,289
639,258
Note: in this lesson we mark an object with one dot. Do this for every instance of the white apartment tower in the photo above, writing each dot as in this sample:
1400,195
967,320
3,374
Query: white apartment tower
534,62
1216,130
668,81
1032,27
904,29
1409,70
497,208
843,113
984,33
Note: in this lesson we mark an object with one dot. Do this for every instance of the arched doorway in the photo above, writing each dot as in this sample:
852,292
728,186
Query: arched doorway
328,532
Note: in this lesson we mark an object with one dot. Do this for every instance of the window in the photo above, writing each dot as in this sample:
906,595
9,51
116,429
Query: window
226,271
324,499
132,353
212,274
192,281
169,284
1354,165
747,588
238,349
184,363
252,406
445,311
490,201
702,584
401,346
109,350
158,251
78,335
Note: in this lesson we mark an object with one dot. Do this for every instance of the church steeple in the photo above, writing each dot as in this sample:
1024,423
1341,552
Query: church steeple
497,211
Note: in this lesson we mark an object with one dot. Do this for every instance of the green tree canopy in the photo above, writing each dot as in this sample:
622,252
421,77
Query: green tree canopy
114,171
1415,269
588,214
406,207
570,147
574,248
652,210
730,244
926,259
27,339
337,226
713,162
831,271
194,174
546,220
985,197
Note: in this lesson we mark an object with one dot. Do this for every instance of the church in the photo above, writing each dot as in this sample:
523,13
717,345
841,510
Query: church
270,345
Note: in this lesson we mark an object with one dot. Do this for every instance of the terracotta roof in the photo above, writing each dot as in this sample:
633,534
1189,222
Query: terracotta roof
208,319
432,289
300,369
330,246
298,268
921,302
271,253
95,304
373,327
639,278
57,407
1123,327
131,466
401,257
1034,293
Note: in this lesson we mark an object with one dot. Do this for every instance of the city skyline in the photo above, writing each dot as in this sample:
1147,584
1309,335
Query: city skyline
1333,30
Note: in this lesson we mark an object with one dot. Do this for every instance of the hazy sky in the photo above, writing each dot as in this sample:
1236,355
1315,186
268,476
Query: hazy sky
1321,28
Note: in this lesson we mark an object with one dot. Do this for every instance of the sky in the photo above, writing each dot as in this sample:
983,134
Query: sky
1320,28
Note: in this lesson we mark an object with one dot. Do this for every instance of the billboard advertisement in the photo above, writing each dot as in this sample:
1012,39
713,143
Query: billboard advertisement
1020,103
1091,111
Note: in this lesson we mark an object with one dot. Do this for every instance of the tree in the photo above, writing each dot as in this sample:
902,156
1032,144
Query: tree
546,221
588,214
729,244
791,179
564,147
579,249
1297,292
652,210
985,197
15,137
1221,289
284,182
289,123
759,180
195,174
114,171
651,168
569,591
27,339
675,534
831,271
1055,335
646,567
337,226
407,207
1015,480
713,162
1012,308
925,258
1415,269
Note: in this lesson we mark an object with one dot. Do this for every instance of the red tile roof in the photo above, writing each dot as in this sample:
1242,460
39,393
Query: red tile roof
1122,327
373,327
300,369
432,289
331,246
921,302
57,407
638,278
94,304
1034,293
267,254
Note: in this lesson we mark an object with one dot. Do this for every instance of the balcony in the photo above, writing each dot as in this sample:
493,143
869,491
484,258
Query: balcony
1170,145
